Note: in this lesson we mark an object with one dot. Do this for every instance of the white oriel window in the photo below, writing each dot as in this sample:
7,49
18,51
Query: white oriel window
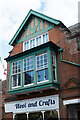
42,67
35,42
54,65
16,74
28,73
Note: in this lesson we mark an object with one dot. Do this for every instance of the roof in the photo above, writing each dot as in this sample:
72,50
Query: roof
40,15
75,28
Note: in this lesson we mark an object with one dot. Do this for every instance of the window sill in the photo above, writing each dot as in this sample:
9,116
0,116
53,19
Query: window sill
16,87
43,81
28,84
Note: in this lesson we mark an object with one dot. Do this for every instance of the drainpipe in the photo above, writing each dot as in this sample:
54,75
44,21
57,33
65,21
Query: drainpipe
79,44
61,50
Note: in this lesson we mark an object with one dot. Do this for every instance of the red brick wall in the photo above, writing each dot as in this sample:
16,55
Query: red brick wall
17,48
66,71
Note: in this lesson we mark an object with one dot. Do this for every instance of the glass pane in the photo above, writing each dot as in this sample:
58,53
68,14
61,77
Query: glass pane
40,40
45,56
37,57
19,79
51,115
54,77
25,69
35,116
37,41
25,46
14,78
47,37
40,75
28,77
21,116
44,37
31,44
24,60
46,74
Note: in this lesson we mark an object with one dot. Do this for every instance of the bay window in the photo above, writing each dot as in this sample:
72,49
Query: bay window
35,69
16,74
28,73
42,67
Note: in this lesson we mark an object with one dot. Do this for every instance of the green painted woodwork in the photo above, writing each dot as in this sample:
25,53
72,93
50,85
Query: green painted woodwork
33,22
43,25
60,50
10,83
37,87
35,34
47,47
50,70
32,13
34,30
22,73
34,63
79,44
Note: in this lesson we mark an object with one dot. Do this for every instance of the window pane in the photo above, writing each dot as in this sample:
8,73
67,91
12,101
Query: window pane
14,79
42,61
44,38
31,44
51,115
47,37
28,63
37,41
40,75
40,40
46,74
27,45
28,77
19,79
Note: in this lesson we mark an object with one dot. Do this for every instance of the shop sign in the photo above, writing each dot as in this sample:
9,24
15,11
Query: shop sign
36,104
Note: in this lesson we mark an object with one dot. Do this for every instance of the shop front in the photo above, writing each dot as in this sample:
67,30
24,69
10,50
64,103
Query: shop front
42,108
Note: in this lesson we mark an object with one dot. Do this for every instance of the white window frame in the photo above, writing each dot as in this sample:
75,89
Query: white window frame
27,71
15,74
41,69
35,41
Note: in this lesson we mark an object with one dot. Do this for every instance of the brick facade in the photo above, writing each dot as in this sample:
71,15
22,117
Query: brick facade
66,72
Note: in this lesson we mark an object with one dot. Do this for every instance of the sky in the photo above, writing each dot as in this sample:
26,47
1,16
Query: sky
13,12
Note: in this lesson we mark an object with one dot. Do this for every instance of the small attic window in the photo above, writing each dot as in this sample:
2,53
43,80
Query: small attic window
41,39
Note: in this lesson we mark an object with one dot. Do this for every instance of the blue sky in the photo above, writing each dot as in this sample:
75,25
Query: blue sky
13,12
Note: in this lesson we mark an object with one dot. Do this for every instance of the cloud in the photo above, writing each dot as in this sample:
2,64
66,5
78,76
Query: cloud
13,12
64,10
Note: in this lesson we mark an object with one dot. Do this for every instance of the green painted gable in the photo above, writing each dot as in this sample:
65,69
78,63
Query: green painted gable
34,24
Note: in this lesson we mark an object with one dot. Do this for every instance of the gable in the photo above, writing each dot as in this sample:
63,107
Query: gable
34,27
71,84
33,23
